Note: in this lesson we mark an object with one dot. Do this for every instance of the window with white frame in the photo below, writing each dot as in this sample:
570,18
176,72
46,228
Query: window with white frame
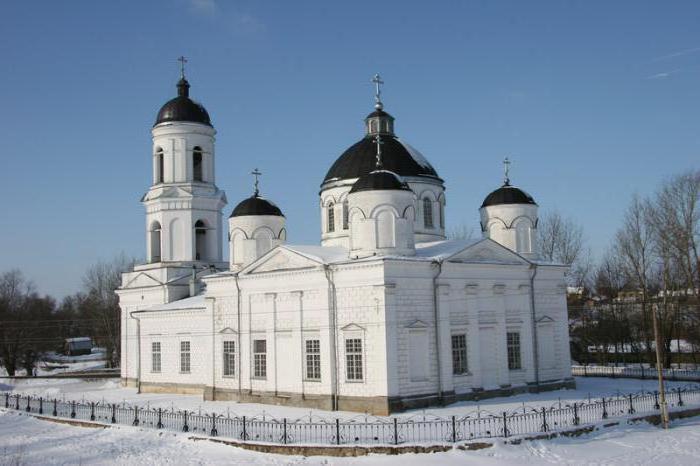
513,340
346,215
313,359
331,218
155,356
427,213
185,357
260,359
353,358
459,354
229,361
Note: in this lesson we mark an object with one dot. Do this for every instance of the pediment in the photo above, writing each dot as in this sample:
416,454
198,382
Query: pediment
280,259
352,328
417,324
488,251
544,319
228,331
142,280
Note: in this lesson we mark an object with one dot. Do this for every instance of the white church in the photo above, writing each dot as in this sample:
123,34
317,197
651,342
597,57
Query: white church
385,314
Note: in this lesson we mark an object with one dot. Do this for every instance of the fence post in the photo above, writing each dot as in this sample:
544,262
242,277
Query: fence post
136,416
244,435
454,430
643,372
284,430
72,409
396,431
631,408
577,420
673,374
7,400
160,418
55,411
544,419
17,403
505,425
680,400
585,370
214,432
92,410
29,407
656,400
605,411
114,413
41,405
337,431
185,427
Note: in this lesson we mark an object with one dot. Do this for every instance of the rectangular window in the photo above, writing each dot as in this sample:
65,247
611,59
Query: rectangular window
514,362
459,354
155,356
313,359
427,213
346,216
260,359
331,218
229,358
185,357
353,358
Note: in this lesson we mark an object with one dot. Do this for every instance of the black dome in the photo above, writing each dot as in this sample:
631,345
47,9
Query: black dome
397,157
508,194
256,205
379,180
182,108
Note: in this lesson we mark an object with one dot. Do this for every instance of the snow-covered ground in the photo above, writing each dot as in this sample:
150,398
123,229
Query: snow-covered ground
54,363
26,440
587,388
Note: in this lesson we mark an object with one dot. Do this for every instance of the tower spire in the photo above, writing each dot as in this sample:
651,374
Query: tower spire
506,171
256,184
377,80
379,142
183,87
182,59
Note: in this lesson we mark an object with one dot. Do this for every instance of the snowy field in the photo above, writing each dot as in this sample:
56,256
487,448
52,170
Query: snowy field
26,441
587,388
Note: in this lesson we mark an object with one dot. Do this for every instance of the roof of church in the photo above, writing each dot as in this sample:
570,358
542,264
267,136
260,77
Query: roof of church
256,205
182,108
379,180
379,113
508,194
192,302
397,156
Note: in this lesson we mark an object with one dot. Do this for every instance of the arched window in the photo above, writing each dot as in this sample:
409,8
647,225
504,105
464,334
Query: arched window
373,126
346,216
155,242
159,169
200,238
427,213
442,215
197,164
385,230
522,237
331,217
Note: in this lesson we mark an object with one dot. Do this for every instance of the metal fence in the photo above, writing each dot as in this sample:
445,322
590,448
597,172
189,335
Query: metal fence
638,372
361,430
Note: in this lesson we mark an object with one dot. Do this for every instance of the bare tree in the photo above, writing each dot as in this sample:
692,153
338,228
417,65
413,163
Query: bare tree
462,232
561,240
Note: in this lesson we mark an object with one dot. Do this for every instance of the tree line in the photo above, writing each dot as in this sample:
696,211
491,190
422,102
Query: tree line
31,324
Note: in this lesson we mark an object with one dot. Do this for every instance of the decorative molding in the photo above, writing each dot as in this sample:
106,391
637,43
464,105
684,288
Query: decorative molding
499,288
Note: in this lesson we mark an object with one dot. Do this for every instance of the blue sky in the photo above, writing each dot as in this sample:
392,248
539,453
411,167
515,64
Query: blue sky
592,100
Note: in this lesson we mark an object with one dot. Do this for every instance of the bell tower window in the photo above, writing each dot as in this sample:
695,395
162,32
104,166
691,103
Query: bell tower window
197,164
200,238
155,242
331,217
159,169
427,213
346,216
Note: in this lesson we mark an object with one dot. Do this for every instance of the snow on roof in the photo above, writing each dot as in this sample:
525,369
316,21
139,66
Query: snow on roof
323,254
78,339
193,302
441,250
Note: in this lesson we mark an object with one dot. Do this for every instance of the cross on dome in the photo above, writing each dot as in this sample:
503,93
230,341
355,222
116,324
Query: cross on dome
506,171
377,80
379,142
256,173
182,61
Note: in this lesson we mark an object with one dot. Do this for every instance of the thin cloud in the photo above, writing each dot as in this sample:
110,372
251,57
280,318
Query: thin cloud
664,74
680,53
204,7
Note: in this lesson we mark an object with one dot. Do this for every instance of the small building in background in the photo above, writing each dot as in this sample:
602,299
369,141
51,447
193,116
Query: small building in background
77,346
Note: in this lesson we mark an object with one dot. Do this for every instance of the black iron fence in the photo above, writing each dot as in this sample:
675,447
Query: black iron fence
361,430
636,372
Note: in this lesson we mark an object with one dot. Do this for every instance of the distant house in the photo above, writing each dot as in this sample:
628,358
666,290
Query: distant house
77,346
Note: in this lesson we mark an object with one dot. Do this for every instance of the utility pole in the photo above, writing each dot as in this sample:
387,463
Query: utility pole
659,367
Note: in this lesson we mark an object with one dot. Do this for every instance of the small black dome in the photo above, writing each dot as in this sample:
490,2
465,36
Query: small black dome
508,194
182,108
379,113
379,180
397,157
256,205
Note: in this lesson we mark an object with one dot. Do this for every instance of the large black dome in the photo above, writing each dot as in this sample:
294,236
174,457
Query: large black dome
378,180
508,194
397,157
256,205
182,108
